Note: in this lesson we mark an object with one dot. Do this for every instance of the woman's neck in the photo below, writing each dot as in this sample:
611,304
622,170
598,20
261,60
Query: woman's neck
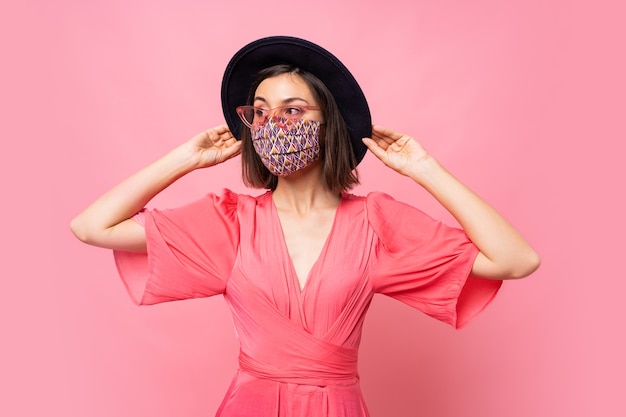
303,191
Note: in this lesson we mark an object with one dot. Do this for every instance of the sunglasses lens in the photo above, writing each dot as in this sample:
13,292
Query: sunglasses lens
249,115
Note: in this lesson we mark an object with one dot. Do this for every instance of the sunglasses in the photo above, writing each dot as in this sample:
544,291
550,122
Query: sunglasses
256,117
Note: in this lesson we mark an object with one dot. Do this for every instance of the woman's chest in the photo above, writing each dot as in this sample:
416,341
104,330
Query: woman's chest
270,257
305,238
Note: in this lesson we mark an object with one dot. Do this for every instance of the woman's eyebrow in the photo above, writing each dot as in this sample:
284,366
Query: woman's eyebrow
292,99
285,101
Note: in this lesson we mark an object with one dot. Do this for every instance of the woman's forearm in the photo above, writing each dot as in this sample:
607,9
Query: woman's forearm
106,222
96,224
504,253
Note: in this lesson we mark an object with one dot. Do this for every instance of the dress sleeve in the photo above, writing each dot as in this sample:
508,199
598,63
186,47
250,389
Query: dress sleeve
190,251
424,263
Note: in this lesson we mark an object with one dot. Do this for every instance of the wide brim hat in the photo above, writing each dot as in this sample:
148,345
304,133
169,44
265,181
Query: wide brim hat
245,65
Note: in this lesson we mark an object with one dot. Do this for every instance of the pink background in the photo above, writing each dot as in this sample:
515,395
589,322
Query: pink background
522,100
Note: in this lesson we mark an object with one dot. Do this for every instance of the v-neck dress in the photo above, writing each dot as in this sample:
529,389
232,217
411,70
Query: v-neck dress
299,347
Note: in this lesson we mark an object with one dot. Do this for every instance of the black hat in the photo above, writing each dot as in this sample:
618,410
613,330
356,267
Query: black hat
244,66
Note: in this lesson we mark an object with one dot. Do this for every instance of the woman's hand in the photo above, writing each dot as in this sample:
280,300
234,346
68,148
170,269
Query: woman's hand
106,222
399,152
213,146
504,253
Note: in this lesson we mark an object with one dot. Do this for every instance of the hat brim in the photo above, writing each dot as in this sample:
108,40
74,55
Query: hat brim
244,66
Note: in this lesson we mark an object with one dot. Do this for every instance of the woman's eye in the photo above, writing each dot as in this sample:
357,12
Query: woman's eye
259,112
294,111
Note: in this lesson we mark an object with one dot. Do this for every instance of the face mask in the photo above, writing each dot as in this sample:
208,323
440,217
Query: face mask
285,149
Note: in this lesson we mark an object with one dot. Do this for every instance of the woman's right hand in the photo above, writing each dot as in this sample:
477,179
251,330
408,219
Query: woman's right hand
213,146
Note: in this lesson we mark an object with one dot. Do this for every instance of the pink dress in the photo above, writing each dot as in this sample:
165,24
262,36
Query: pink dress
298,354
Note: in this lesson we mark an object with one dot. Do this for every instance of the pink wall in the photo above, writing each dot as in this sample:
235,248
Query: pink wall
522,100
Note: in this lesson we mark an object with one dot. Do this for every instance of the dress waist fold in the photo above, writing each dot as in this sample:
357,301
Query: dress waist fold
340,370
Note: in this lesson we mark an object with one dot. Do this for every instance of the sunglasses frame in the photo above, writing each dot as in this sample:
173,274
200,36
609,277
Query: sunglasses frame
267,113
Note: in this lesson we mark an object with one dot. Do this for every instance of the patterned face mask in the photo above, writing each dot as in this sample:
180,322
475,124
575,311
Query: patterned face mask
287,146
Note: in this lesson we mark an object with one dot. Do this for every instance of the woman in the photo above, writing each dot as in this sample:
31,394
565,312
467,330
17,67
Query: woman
299,264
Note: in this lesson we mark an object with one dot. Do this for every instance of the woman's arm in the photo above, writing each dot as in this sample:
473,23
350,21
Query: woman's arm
504,253
106,222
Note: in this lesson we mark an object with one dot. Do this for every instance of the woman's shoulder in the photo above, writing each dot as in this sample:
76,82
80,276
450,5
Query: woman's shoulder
371,205
369,199
243,204
384,213
226,202
229,196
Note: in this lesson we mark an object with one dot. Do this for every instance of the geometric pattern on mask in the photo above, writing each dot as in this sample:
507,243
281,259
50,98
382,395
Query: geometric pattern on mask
286,150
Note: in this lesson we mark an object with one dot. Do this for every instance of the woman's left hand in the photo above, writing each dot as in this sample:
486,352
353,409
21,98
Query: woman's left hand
398,151
504,253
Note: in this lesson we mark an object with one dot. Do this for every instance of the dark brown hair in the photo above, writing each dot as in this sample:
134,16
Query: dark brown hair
336,154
